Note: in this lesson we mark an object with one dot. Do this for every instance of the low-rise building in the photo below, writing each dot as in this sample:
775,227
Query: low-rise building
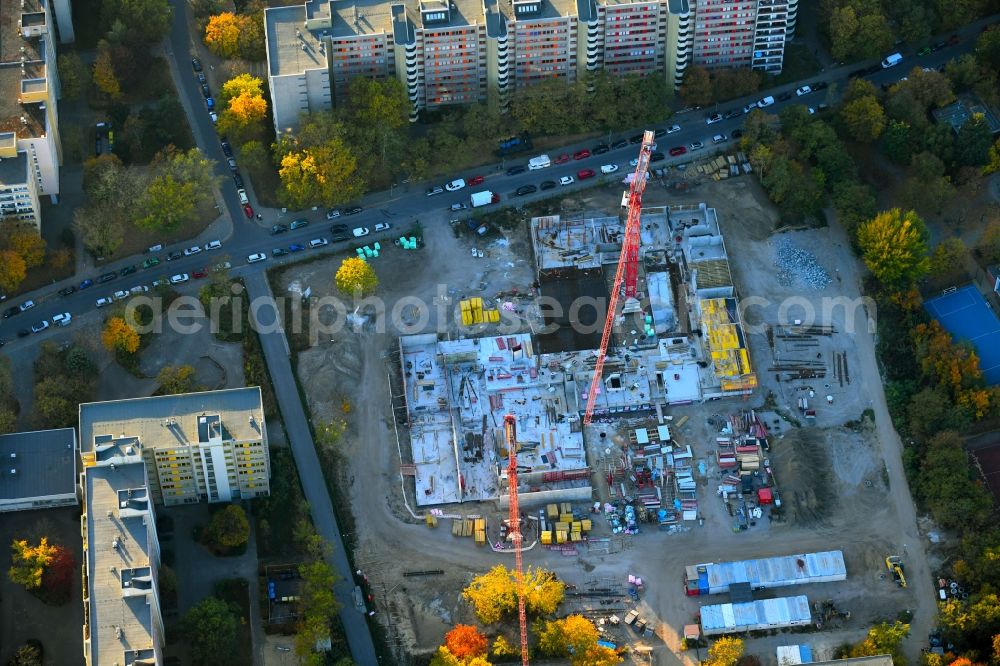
39,470
208,446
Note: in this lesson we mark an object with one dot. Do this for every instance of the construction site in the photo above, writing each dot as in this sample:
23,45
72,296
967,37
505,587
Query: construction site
686,427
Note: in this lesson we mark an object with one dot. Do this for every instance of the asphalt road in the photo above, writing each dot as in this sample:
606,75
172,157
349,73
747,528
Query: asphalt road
398,204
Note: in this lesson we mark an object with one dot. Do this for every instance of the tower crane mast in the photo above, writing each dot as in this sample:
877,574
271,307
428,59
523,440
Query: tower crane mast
514,529
627,272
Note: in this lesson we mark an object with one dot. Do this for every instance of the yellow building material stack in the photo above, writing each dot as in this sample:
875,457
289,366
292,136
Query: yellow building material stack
562,526
566,507
547,537
431,521
551,511
585,525
456,527
560,536
566,518
575,536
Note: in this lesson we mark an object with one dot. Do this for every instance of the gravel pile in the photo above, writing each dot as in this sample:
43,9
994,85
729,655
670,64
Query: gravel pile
798,267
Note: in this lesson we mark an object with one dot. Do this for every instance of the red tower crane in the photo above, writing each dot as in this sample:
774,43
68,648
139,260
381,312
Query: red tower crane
628,266
514,529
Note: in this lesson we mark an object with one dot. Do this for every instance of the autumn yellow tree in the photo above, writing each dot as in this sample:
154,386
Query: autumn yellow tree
443,657
119,335
26,242
465,641
725,651
576,637
356,276
105,77
493,594
176,379
12,270
325,174
28,562
894,246
222,34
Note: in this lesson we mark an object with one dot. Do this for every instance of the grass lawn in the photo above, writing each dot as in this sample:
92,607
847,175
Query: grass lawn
235,592
800,63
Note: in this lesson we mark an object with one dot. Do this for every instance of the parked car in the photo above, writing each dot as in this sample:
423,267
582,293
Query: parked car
201,77
214,117
161,281
335,228
227,150
205,91
210,103
138,289
296,247
673,129
609,168
238,180
353,210
213,245
66,291
232,164
697,145
525,189
677,150
657,157
562,159
257,256
199,273
434,190
148,263
180,278
458,206
475,180
24,332
195,249
222,266
635,140
714,118
107,277
333,214
10,312
101,302
278,229
581,154
342,236
820,85
86,284
383,226
618,145
719,138
196,64
736,133
62,319
566,180
127,270
514,170
734,113
924,51
318,242
600,149
953,40
27,305
584,174
279,252
545,185
455,185
804,90
358,232
40,326
120,294
298,224
784,97
659,133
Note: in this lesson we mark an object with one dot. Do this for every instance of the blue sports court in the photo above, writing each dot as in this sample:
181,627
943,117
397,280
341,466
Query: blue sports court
965,314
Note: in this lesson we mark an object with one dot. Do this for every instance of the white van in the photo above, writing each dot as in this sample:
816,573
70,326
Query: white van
540,162
764,102
892,61
243,196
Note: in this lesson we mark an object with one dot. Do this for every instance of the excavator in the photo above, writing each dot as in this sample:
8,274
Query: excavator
894,563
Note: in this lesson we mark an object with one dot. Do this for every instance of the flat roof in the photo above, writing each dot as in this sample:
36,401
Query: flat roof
41,463
173,420
286,37
14,170
958,113
26,120
118,551
547,9
460,13
360,17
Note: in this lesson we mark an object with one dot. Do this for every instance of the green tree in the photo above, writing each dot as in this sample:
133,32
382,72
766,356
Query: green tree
74,76
29,654
228,528
146,20
988,48
854,202
8,421
168,204
949,485
858,89
174,380
883,638
948,257
973,622
988,246
972,146
725,651
963,72
874,36
318,604
696,89
254,156
210,628
843,29
864,118
12,270
894,246
931,411
252,36
898,143
927,187
100,230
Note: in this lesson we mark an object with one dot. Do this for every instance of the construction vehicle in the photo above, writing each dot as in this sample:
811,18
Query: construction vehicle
894,563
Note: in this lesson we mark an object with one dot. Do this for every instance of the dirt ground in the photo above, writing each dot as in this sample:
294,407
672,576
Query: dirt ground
842,487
